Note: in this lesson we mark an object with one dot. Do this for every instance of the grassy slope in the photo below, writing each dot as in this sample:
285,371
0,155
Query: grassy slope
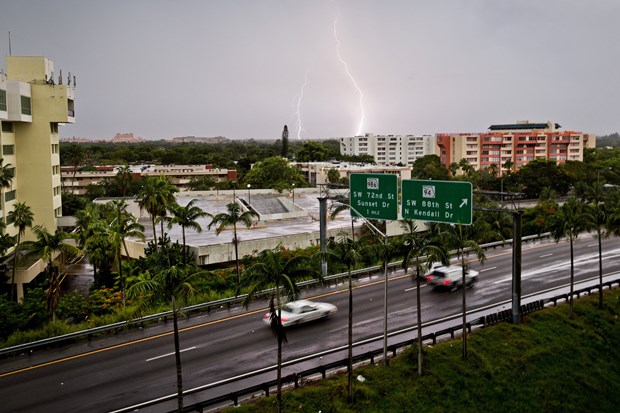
550,363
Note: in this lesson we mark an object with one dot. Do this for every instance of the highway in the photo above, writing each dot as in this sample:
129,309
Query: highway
138,365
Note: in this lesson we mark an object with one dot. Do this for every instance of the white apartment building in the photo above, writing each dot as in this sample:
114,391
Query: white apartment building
390,149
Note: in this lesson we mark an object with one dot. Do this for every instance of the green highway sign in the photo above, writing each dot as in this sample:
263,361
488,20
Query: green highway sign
437,201
374,196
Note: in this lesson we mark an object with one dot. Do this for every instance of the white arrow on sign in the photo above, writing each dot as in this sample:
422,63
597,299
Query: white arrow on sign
463,203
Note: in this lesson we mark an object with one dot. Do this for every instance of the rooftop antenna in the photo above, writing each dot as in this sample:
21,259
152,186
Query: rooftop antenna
10,51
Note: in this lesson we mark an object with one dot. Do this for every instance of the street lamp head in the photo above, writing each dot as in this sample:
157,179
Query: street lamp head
249,185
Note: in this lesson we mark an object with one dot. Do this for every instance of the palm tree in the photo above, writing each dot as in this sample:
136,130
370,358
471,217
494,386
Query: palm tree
6,242
348,252
187,217
124,179
6,180
461,241
598,210
155,196
92,229
47,247
233,217
273,270
342,204
174,283
100,250
420,249
123,226
83,222
21,217
571,219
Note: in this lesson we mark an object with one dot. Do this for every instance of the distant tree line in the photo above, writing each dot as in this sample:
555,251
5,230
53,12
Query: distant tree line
238,155
611,140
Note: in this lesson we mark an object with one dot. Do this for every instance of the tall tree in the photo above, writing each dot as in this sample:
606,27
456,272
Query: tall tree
233,216
429,167
48,246
155,196
275,173
420,248
571,219
187,217
273,270
536,175
6,181
21,217
285,142
312,152
175,284
123,226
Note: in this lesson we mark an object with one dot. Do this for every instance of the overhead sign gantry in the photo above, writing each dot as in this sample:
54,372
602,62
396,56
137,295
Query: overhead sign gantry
374,196
437,201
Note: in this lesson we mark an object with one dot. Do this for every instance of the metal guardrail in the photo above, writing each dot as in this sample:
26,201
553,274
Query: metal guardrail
296,379
208,306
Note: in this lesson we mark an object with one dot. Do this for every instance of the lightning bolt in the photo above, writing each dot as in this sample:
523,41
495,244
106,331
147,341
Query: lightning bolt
360,126
299,97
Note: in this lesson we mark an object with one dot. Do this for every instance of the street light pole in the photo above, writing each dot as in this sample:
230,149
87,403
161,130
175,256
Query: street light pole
377,231
293,192
249,196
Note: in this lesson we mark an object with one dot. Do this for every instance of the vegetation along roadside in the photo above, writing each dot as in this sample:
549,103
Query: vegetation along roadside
552,362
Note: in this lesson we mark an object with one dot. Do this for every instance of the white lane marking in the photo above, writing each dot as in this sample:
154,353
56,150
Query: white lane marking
413,288
487,269
580,262
170,354
592,245
545,255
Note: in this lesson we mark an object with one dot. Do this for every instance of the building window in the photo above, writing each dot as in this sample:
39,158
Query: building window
3,100
7,127
56,170
54,127
8,149
9,196
70,108
55,148
26,108
10,172
58,212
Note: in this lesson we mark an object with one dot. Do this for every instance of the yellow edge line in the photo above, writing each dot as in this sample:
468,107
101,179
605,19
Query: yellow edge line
49,363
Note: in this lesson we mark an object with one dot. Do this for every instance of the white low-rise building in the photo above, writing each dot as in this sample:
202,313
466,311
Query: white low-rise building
316,173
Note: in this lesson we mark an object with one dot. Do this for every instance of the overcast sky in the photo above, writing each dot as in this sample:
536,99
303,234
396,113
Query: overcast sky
237,68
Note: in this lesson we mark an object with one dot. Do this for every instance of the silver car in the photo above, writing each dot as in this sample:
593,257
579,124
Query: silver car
302,311
451,277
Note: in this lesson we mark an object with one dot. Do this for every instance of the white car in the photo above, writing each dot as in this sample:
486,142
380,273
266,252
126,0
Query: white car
302,311
451,277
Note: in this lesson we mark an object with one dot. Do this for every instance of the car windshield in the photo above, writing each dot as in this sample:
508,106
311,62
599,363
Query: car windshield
289,308
438,274
307,309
